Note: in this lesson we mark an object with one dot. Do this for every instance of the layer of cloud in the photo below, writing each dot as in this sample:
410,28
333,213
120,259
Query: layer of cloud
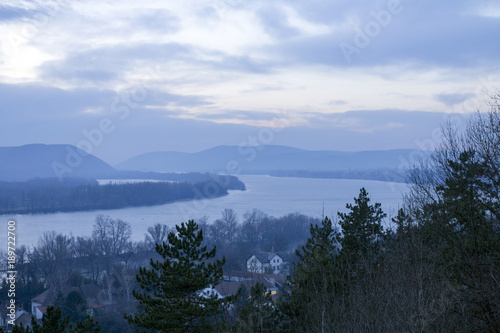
230,64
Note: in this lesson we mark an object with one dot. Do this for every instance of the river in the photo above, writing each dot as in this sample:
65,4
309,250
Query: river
275,196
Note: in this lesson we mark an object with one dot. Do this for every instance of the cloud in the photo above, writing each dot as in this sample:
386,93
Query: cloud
274,19
110,62
11,13
450,37
29,101
158,20
453,99
225,65
371,121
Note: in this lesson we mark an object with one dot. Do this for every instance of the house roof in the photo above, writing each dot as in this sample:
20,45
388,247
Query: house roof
90,293
24,319
244,275
44,298
266,257
230,288
42,308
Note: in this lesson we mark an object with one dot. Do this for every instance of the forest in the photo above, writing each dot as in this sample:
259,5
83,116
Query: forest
46,195
382,174
436,270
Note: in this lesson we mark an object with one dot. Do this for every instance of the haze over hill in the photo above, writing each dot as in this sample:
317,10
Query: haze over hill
23,163
48,161
237,159
28,162
41,178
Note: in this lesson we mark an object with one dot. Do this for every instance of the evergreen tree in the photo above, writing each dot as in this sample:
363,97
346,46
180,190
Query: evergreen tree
463,197
463,232
87,326
172,297
257,312
314,280
403,221
361,228
18,329
53,322
454,200
59,300
74,307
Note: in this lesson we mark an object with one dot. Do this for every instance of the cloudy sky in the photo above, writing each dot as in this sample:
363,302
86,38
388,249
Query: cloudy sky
119,78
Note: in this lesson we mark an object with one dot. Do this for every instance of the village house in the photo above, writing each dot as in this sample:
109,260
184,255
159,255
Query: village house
21,316
94,298
246,280
268,262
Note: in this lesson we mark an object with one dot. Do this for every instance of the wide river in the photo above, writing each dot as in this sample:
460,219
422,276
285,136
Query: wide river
275,196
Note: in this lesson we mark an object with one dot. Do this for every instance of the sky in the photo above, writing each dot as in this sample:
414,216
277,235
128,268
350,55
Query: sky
120,78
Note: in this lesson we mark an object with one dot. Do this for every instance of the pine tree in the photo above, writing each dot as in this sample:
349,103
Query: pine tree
462,229
314,280
172,300
74,306
87,326
403,221
257,312
53,322
462,196
361,228
18,329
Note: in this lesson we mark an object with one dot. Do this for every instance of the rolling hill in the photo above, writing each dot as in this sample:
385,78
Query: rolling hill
264,159
26,162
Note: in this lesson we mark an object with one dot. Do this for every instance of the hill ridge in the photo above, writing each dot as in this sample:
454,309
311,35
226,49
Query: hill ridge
251,159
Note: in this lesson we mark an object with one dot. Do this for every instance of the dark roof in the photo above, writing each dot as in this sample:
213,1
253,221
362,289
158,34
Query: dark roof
46,297
265,257
244,275
230,288
90,293
23,319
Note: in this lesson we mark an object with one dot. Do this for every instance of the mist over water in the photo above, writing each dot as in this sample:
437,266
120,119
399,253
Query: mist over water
274,196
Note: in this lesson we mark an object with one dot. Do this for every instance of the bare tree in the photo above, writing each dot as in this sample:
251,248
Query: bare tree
51,257
249,228
125,281
157,234
230,222
86,252
110,236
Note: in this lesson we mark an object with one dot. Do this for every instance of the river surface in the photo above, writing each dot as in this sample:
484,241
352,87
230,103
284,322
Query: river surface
275,196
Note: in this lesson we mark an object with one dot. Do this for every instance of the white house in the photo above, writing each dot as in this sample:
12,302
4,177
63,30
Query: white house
267,262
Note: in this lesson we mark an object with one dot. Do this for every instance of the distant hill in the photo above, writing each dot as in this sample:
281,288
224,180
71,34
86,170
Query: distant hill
66,162
48,161
264,159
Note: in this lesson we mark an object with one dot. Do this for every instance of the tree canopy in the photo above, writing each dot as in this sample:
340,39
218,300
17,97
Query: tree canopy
172,297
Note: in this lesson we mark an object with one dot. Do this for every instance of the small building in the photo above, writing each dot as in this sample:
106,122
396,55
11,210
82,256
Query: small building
227,288
268,262
230,285
94,298
21,316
